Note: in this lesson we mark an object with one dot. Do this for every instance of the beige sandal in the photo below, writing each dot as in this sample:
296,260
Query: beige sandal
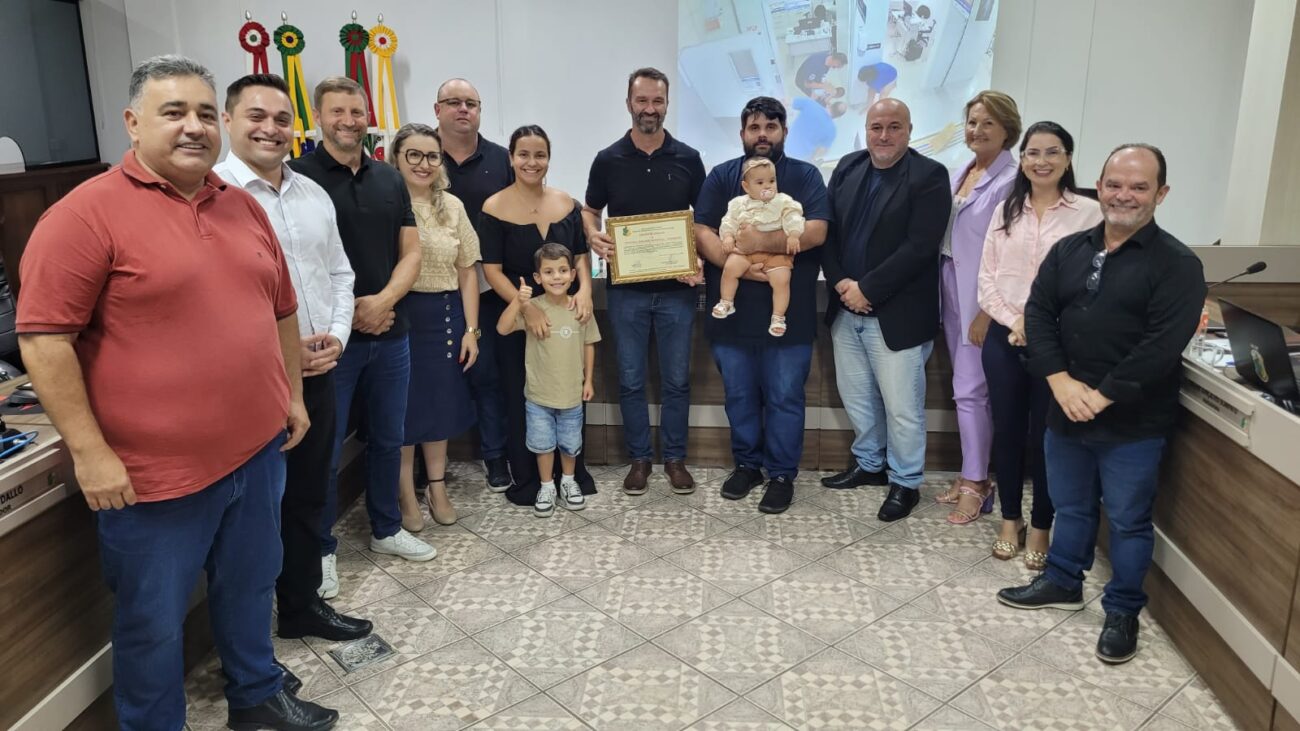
1036,560
951,495
724,309
982,492
440,517
1006,550
777,327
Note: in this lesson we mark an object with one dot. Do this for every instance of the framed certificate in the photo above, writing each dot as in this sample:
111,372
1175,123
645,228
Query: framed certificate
653,246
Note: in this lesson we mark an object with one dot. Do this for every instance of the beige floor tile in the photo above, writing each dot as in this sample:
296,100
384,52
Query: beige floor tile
353,714
511,527
1025,693
579,559
488,593
821,602
737,561
539,713
739,716
406,623
457,549
1196,706
664,526
808,530
970,600
654,597
897,567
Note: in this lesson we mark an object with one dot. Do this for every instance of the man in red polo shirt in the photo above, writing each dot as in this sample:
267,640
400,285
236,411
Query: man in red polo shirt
157,318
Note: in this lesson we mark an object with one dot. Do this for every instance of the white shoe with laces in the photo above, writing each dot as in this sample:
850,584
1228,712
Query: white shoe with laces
544,505
329,577
571,496
403,545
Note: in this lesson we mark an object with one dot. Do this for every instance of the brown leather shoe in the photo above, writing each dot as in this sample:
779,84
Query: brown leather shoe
635,482
678,477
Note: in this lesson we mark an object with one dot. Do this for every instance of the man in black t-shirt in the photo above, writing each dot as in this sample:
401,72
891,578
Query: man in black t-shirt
648,171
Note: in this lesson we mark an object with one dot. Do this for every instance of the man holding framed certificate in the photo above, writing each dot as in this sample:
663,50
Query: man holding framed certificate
649,181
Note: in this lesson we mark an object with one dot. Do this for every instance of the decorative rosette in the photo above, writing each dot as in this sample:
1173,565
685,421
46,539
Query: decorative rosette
383,41
354,38
253,37
289,40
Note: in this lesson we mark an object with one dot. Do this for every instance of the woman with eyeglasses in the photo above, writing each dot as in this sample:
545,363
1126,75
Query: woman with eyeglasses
443,310
1043,206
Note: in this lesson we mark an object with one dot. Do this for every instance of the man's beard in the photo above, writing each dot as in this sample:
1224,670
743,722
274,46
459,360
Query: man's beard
775,152
648,124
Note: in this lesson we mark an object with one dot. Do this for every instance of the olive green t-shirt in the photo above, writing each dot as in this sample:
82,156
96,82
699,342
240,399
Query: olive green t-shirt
554,365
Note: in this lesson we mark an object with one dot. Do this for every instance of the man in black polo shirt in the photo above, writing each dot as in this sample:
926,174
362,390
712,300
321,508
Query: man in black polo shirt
1107,320
379,236
648,171
763,377
476,169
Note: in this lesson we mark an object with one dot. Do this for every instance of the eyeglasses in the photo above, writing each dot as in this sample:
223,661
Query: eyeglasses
1051,154
1094,279
415,157
470,104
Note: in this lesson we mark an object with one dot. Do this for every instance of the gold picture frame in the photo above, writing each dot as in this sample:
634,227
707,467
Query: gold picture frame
652,247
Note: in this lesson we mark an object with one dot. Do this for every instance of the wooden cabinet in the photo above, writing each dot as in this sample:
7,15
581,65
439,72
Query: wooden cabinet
23,198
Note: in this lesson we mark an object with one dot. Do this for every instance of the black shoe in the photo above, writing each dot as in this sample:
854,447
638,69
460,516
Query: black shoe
282,712
320,620
498,472
1041,593
741,482
290,681
777,496
898,504
853,477
1119,638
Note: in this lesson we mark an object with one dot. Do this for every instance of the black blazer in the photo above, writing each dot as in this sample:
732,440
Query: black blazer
903,233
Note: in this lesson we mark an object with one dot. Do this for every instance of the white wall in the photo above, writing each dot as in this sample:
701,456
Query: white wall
1163,71
1168,72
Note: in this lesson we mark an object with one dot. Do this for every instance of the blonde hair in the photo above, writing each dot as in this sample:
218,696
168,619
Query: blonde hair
1002,108
440,180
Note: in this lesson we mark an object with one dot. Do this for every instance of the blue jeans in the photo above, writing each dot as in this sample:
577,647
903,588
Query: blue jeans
764,390
1081,476
883,392
152,554
549,428
631,316
485,383
380,371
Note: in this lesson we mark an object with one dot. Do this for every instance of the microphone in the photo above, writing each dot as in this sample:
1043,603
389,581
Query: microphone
1255,268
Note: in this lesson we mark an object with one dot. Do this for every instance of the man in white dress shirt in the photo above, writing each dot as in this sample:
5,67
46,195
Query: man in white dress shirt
259,120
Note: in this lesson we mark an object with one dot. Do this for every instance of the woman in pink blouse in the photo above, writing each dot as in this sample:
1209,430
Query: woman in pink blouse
1043,206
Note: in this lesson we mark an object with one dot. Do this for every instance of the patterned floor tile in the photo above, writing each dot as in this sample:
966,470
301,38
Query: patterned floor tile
1196,706
1148,679
739,716
1025,693
736,560
664,526
511,527
471,496
578,559
808,530
361,582
950,719
834,690
558,641
900,568
1015,574
353,714
204,688
538,713
611,500
1159,722
970,600
488,593
860,504
969,543
654,597
457,549
709,499
645,689
406,623
316,675
739,646
353,528
444,690
821,602
938,656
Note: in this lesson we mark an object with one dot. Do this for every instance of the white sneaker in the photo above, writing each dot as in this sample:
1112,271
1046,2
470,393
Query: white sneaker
329,577
571,496
404,545
544,505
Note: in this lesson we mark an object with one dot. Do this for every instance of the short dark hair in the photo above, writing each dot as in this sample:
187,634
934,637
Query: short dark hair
648,72
529,130
551,252
839,58
764,105
237,87
336,84
1162,170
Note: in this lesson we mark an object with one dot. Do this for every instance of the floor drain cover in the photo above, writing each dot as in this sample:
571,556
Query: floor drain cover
360,653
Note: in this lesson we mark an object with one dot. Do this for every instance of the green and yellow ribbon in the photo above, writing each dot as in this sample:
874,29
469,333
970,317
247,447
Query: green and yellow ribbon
383,44
290,42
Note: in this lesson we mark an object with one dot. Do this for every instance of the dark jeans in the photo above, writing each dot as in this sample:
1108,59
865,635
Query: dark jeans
307,478
152,554
379,372
632,314
1082,475
484,381
764,390
1019,404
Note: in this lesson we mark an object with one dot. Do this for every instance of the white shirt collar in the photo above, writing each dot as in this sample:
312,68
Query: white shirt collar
243,176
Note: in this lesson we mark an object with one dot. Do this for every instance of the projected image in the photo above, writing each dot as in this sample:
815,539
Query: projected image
828,61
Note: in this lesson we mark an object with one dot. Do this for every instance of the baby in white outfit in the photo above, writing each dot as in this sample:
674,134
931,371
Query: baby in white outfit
766,210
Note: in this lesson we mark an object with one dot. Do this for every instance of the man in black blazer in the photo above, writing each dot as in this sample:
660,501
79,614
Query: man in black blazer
889,210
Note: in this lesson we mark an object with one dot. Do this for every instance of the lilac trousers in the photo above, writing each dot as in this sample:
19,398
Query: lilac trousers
969,390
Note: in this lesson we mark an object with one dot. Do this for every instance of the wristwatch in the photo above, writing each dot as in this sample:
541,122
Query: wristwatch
477,332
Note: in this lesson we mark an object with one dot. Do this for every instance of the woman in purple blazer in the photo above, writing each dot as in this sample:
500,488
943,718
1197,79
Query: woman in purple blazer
978,188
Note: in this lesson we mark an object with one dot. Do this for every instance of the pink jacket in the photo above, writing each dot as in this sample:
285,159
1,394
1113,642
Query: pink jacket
970,227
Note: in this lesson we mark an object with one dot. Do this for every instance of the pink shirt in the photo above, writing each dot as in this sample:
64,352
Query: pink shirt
1010,260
